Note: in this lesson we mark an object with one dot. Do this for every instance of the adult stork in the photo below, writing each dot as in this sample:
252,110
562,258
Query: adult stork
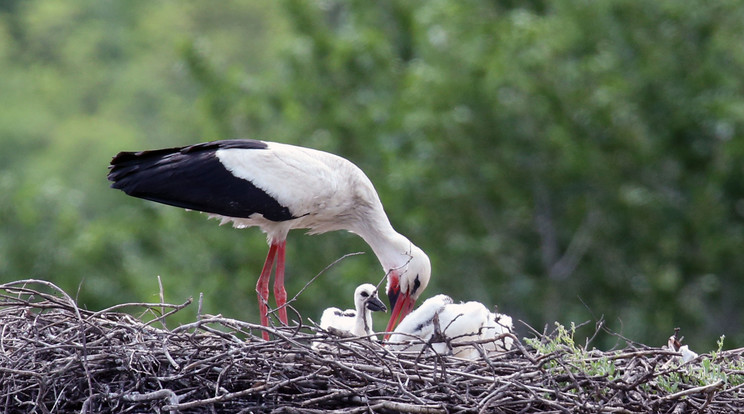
277,187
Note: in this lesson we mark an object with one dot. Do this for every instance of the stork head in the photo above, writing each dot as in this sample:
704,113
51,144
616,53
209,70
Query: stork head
405,284
365,296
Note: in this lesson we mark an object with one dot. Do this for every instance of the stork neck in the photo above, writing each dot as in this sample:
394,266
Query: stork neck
363,319
392,249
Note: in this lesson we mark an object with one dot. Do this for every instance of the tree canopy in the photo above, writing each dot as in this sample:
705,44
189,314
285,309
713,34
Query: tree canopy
566,161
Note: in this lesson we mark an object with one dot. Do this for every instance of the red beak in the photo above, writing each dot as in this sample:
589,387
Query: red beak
402,306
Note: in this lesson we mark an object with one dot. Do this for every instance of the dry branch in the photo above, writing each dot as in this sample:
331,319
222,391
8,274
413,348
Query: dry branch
56,357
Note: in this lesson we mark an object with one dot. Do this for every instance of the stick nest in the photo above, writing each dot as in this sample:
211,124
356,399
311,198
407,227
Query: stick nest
56,357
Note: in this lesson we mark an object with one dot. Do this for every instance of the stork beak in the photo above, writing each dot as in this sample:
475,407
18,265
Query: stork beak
393,294
402,305
375,304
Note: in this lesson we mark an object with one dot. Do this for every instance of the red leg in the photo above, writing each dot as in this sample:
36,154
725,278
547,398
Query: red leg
280,295
262,288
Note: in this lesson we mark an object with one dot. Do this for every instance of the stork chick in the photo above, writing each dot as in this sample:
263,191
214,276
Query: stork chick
358,321
446,326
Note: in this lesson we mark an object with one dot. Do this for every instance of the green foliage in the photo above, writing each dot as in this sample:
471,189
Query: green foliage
563,160
562,354
580,155
579,359
83,80
704,370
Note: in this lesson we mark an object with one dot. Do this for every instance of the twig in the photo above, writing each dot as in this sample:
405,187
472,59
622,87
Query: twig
294,298
409,408
704,389
162,302
55,357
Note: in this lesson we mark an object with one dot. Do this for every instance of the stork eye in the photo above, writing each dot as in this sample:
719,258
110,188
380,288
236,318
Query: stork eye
364,294
416,284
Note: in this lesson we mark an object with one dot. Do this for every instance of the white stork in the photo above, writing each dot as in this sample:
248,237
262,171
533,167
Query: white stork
446,326
277,187
674,344
357,321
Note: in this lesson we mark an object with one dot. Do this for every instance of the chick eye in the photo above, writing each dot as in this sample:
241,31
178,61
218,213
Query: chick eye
365,294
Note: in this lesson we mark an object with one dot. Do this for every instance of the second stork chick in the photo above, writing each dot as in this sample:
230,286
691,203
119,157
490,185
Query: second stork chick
358,321
446,326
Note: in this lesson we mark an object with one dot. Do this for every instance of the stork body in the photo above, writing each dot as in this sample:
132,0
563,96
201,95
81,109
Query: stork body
357,321
277,187
495,326
419,324
675,345
446,326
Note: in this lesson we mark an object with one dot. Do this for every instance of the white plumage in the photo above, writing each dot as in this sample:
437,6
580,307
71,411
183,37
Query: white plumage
277,187
674,344
496,325
419,324
447,326
357,321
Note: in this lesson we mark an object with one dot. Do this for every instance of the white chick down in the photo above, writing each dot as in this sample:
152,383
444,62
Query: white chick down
687,354
354,322
447,326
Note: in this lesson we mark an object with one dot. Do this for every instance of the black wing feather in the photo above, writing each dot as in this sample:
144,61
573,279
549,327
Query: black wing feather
193,177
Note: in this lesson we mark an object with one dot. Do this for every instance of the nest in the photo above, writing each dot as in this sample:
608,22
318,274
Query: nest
56,357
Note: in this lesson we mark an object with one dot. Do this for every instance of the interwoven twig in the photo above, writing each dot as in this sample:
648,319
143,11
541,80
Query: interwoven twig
56,357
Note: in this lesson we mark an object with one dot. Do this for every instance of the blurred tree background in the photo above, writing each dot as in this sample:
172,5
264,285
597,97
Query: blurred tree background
564,160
